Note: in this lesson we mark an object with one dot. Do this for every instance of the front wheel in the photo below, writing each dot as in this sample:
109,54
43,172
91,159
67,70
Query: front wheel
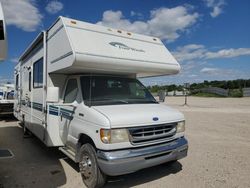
91,174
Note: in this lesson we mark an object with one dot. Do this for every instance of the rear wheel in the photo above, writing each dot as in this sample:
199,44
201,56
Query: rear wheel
91,174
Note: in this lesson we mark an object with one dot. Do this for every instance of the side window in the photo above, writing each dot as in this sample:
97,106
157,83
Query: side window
71,91
17,81
38,74
29,81
1,30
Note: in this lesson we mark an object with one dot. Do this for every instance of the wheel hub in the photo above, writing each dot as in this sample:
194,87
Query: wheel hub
86,167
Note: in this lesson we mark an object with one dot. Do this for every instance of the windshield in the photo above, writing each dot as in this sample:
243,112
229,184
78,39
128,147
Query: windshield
107,90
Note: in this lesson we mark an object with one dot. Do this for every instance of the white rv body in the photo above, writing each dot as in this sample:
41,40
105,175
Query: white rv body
59,64
97,49
3,36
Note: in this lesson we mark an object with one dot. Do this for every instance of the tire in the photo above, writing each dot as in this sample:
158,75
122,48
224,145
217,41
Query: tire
91,174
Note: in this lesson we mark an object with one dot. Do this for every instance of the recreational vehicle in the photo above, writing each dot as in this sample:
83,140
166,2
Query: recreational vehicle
3,36
6,99
77,89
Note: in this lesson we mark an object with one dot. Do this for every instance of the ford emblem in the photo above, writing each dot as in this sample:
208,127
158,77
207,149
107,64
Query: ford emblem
155,118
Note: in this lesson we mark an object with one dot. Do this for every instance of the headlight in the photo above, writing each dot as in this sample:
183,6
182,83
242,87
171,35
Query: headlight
180,127
111,136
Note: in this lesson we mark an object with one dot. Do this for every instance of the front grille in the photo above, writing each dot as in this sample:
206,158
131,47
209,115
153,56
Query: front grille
152,133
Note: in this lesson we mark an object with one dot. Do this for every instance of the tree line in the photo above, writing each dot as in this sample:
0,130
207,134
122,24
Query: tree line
225,84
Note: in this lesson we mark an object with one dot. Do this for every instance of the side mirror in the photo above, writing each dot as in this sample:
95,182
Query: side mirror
3,36
53,94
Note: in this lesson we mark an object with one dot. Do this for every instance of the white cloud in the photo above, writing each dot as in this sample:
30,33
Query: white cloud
221,73
228,53
136,14
165,23
216,5
192,75
23,14
14,60
54,7
199,52
189,52
208,70
194,60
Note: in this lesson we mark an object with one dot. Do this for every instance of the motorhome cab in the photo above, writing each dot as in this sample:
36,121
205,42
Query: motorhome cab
77,88
3,37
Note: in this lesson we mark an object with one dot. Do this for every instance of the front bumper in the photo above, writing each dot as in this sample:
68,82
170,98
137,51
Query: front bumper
120,162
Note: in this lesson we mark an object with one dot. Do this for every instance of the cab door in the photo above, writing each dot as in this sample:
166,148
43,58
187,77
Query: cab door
67,109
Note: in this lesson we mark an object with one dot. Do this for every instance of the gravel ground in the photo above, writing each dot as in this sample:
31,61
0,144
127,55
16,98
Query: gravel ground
218,131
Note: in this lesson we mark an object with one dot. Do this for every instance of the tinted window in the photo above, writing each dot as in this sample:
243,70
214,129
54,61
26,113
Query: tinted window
1,30
17,81
71,91
29,81
38,74
107,90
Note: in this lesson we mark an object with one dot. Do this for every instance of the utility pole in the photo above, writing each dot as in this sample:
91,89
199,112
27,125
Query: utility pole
186,87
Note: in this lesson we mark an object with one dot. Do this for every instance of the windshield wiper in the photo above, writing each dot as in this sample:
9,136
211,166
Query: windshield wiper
111,100
143,100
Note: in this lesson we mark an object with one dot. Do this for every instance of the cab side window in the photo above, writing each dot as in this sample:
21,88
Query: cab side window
71,91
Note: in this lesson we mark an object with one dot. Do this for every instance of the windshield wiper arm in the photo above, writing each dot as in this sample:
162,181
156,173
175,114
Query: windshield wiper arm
112,100
143,100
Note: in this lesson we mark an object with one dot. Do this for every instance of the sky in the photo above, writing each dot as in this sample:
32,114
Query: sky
209,38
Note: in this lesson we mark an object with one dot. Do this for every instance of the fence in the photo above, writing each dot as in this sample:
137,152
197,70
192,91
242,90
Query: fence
246,92
216,90
175,93
170,93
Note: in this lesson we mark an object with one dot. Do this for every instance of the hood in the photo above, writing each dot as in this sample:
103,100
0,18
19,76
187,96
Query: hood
139,114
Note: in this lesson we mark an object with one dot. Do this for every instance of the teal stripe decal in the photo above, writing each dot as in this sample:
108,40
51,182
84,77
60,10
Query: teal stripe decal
54,110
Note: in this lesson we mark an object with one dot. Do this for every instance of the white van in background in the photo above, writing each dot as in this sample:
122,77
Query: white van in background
6,99
77,89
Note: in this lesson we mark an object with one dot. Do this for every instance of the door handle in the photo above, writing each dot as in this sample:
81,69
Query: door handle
80,114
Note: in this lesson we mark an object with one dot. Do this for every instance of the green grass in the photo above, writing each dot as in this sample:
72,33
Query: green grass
235,93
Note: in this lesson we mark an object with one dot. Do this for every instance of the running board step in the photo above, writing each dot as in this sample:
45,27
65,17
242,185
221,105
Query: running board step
68,152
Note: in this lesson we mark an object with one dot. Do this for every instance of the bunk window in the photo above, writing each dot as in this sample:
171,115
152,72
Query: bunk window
1,30
38,74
